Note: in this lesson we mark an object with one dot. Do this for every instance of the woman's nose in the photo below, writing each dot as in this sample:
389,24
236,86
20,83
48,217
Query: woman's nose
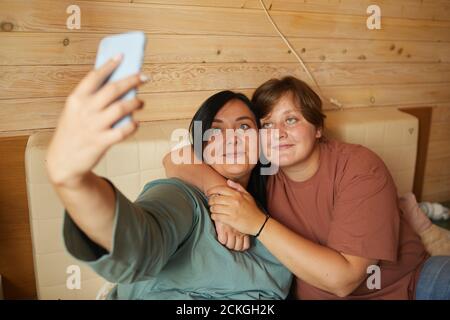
282,133
231,137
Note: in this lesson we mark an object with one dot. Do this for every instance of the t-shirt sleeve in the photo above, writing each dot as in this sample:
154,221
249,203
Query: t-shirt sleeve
146,234
366,218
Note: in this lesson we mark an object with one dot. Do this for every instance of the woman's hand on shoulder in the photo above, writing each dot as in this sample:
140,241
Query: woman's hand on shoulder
234,206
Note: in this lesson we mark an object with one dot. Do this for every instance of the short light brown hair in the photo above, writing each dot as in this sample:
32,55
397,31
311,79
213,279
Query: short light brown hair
270,92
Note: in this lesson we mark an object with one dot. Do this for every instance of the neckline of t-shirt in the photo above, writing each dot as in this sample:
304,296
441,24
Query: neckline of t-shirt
302,184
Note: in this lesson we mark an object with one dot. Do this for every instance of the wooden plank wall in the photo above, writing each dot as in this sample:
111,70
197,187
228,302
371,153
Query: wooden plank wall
197,47
16,260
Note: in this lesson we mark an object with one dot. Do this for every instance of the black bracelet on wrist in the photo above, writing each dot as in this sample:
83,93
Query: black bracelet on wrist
262,227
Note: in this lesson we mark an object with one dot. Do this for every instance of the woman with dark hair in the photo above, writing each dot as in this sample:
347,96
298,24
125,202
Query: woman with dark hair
206,115
163,245
335,221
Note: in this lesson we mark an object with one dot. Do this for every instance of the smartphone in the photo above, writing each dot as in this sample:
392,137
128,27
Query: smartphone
132,46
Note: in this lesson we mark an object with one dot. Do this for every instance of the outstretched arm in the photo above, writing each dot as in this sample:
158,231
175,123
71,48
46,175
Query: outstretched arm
91,205
144,233
82,137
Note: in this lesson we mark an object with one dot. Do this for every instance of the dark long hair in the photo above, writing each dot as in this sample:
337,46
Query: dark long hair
205,114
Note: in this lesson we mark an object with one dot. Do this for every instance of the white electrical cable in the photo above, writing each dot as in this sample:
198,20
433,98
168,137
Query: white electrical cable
333,101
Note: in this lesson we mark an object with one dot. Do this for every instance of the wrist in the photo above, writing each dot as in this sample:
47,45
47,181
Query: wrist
266,230
71,181
262,225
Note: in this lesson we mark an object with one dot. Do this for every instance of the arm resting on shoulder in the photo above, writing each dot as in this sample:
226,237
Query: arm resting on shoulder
200,175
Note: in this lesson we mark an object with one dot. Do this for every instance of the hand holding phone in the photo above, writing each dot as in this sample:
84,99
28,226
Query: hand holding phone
131,45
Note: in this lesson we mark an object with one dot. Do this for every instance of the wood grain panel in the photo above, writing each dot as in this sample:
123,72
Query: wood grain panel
26,114
22,48
47,15
438,168
59,81
439,149
437,189
197,47
441,114
16,261
440,131
410,9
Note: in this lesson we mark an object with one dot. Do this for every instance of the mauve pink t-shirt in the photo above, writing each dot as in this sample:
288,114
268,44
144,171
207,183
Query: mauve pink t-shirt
350,205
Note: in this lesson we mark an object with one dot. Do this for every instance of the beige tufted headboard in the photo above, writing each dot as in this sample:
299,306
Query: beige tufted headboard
131,164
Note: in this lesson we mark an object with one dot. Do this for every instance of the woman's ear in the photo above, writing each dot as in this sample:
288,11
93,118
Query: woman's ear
319,133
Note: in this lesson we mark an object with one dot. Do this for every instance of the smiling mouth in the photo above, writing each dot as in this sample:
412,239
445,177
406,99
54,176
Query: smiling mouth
283,146
234,154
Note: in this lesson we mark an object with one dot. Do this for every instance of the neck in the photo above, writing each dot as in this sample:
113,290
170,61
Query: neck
243,181
305,169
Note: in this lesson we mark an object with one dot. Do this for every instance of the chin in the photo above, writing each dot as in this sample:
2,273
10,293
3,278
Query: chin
284,159
293,157
284,163
235,171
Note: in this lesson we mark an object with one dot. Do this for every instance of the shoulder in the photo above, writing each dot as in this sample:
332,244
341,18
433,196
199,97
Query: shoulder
171,190
170,184
354,158
360,172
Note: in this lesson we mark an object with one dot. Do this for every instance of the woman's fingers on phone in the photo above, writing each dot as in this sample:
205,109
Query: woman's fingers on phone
95,78
118,110
112,91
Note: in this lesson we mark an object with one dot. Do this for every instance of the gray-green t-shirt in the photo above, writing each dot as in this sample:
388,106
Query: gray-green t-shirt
165,247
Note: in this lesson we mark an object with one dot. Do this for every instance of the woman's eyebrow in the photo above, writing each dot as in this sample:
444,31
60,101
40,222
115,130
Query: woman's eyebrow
245,118
237,119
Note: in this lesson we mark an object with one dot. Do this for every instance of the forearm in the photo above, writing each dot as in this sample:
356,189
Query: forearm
198,174
317,265
91,204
